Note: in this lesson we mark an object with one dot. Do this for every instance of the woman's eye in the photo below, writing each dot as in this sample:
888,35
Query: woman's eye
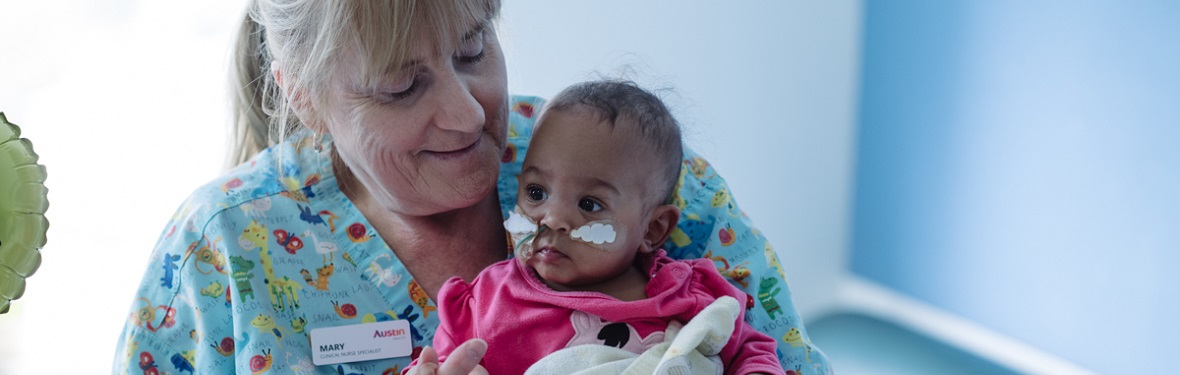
396,96
471,50
589,205
398,91
536,193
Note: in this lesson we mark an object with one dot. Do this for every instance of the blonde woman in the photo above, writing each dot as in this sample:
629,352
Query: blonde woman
377,138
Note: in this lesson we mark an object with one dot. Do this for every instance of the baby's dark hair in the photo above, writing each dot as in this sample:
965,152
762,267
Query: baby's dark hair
616,100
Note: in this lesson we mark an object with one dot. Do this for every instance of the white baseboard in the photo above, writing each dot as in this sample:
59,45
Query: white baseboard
869,298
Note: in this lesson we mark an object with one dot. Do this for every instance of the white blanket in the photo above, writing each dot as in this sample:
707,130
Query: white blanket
689,349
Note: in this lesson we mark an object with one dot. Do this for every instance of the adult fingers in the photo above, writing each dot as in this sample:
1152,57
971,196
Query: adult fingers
427,362
464,359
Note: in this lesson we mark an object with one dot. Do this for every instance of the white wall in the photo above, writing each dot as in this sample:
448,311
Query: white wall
1027,179
766,88
125,102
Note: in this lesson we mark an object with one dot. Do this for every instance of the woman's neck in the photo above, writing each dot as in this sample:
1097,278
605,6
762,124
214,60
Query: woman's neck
433,248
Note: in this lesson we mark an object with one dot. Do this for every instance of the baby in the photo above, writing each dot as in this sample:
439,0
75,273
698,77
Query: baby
593,210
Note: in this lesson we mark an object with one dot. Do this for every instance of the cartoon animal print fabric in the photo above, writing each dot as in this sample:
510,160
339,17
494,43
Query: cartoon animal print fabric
272,250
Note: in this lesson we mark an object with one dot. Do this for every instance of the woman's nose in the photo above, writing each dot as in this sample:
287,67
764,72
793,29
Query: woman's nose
456,105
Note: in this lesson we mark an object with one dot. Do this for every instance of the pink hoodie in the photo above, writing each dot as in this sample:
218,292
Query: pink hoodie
523,320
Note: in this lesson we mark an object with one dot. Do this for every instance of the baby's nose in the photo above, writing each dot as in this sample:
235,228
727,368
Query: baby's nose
558,219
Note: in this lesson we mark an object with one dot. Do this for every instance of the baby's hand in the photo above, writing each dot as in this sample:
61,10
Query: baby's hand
464,360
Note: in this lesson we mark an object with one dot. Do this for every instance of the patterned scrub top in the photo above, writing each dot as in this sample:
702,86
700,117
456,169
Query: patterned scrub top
256,259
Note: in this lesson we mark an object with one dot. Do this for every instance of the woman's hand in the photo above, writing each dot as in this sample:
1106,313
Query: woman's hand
464,360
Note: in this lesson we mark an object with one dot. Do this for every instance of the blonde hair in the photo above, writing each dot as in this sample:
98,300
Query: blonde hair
305,38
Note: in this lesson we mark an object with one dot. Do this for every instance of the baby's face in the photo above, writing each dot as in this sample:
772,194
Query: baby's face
579,170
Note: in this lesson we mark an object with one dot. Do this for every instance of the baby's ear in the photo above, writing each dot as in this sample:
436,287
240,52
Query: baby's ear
661,224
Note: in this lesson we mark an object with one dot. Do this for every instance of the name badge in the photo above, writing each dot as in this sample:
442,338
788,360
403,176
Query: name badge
360,342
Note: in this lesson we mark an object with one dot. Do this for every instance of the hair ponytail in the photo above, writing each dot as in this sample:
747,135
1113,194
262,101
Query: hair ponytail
250,132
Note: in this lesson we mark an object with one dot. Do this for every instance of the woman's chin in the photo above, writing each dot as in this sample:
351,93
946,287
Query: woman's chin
440,193
481,159
467,180
462,195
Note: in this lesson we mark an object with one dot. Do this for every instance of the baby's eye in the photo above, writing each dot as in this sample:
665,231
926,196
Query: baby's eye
535,193
589,205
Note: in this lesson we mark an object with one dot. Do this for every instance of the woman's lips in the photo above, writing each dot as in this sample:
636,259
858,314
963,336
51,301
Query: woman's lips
458,152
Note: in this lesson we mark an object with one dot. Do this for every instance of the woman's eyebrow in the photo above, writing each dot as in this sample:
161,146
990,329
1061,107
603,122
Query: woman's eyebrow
412,63
393,70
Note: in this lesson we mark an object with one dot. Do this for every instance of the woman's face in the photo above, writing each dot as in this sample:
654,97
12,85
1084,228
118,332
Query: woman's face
427,136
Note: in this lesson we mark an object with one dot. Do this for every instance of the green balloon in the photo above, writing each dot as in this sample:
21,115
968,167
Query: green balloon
22,212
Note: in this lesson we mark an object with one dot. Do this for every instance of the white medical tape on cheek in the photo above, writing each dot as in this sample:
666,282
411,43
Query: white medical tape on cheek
601,234
523,231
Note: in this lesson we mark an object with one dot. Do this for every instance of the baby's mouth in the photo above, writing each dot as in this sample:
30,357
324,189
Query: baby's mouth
549,253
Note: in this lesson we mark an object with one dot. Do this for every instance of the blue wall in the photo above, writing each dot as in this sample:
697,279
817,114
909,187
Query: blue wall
1018,164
